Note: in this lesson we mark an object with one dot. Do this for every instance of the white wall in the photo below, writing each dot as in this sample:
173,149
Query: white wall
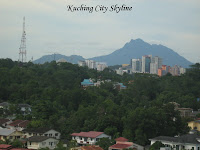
50,143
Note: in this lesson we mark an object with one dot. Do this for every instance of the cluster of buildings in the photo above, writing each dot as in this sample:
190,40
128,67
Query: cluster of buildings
31,138
91,137
149,64
100,66
89,82
24,109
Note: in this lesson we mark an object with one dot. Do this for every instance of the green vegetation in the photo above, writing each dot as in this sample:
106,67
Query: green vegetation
140,112
157,145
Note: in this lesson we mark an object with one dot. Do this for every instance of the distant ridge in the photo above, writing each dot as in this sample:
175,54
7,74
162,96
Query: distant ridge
48,58
133,49
137,48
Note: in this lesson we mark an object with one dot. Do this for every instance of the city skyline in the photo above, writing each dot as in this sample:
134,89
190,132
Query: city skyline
52,29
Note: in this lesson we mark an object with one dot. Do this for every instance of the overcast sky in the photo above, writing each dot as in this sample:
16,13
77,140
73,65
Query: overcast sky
51,28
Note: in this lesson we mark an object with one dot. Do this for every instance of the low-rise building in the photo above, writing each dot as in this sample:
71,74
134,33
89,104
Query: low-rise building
187,142
4,122
5,147
38,142
25,109
120,86
122,143
194,125
92,147
86,83
18,125
90,137
41,132
9,134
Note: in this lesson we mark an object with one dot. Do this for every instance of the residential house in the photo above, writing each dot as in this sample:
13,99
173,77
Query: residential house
122,143
24,108
20,149
194,125
38,142
4,122
91,147
86,83
9,134
4,105
187,142
41,132
90,137
18,125
120,86
5,147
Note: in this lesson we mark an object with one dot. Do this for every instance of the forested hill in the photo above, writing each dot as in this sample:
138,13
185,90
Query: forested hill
138,113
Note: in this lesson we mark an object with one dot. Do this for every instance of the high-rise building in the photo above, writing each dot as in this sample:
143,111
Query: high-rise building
82,63
136,65
91,64
182,70
175,71
101,66
146,60
156,63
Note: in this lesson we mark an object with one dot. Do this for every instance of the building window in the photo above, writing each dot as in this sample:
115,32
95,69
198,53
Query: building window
10,137
29,143
46,135
50,135
56,134
51,143
198,148
192,148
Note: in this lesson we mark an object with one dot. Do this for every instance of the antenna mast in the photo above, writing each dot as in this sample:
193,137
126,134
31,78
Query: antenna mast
22,49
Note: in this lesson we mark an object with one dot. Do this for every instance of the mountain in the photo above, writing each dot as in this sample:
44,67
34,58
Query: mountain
137,48
48,58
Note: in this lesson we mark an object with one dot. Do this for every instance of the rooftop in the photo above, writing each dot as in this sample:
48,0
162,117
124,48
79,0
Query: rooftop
2,121
4,104
38,138
24,105
122,139
120,146
4,146
91,134
187,138
93,147
87,82
37,130
20,123
6,132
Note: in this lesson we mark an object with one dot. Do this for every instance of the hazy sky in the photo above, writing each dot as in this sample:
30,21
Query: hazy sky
51,28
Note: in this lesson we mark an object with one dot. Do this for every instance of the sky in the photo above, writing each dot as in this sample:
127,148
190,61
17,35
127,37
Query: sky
52,28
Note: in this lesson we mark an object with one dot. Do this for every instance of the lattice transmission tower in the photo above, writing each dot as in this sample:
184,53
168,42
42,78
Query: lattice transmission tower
22,49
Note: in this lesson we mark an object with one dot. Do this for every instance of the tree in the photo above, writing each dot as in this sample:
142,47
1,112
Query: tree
157,145
105,143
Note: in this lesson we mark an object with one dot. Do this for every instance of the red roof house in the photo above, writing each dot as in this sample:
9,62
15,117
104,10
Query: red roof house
5,147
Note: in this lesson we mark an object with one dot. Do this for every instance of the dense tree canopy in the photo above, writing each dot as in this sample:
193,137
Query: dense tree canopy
138,113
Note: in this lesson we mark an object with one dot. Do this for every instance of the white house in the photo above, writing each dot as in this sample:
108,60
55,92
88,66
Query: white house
187,142
38,142
24,108
41,132
90,137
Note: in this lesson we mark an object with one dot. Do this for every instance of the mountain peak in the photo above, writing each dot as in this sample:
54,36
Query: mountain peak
138,48
136,40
